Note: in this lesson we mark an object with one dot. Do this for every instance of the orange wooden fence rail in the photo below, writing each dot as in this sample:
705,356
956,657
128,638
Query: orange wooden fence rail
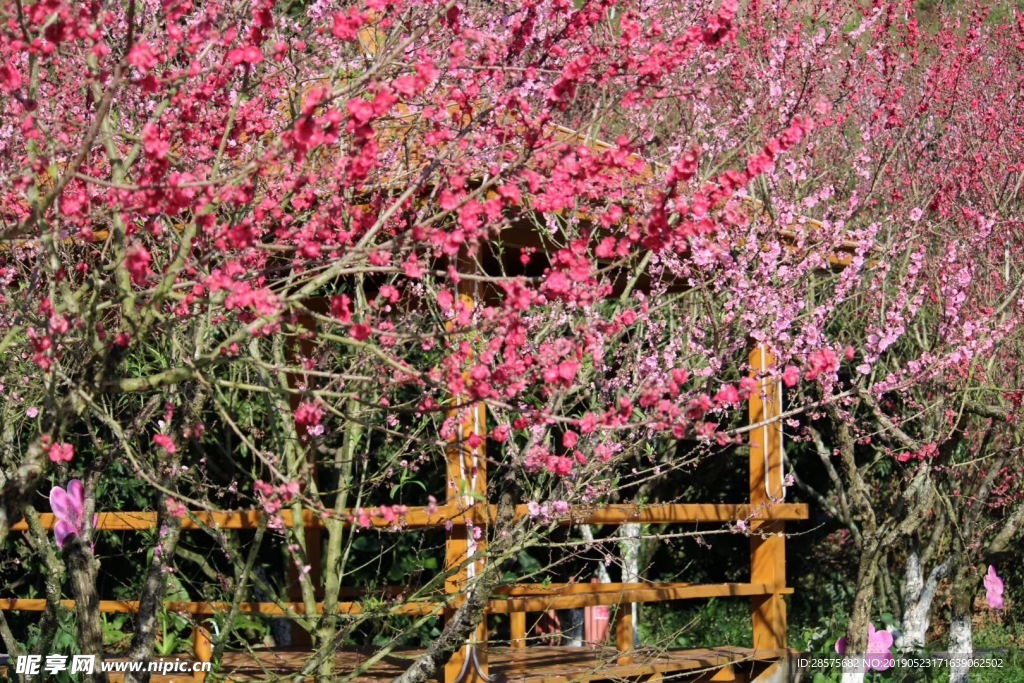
422,517
766,514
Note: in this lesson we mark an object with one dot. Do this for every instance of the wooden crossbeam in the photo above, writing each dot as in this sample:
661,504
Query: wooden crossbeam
519,601
423,517
767,542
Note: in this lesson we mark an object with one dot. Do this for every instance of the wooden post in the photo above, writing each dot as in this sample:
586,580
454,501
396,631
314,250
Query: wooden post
624,633
767,542
202,648
313,535
467,478
518,626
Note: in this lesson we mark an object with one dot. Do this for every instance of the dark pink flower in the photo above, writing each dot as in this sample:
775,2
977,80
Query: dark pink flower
10,79
308,414
727,396
165,442
62,452
137,260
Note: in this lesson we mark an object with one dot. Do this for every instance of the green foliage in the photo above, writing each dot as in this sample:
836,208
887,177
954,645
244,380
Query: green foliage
687,626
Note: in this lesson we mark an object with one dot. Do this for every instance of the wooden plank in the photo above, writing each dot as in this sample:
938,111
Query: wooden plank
767,540
557,589
210,608
202,649
525,665
653,593
465,546
518,629
423,517
624,634
530,602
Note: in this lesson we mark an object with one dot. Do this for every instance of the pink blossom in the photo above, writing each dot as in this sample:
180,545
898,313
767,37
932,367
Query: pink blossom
993,589
727,396
790,376
308,414
175,508
137,260
346,25
822,361
62,452
142,57
165,442
879,656
69,509
559,465
10,78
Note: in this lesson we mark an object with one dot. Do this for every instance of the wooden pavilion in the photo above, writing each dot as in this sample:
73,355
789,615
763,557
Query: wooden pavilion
766,658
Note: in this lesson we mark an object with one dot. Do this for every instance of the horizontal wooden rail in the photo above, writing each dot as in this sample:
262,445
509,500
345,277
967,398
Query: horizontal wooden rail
522,599
211,608
649,593
422,517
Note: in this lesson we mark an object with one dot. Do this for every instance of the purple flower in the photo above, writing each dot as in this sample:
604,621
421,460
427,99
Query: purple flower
878,657
69,509
993,589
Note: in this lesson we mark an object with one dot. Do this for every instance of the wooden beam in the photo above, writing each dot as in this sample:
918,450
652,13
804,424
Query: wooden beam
624,635
518,629
466,545
767,540
652,593
522,599
269,609
422,517
202,649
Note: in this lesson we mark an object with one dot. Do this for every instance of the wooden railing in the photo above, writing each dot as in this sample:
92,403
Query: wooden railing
765,514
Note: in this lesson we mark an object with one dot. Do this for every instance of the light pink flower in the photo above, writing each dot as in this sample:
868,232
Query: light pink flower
69,509
993,589
879,656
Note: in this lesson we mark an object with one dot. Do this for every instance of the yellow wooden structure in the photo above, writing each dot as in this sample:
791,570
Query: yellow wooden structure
765,657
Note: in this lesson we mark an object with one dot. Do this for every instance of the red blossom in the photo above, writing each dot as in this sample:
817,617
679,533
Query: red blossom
165,442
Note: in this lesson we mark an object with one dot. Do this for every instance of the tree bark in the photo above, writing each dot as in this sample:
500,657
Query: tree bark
84,568
507,539
918,595
153,593
961,645
860,618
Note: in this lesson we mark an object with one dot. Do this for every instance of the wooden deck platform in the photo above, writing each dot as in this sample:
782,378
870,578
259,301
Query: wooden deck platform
508,665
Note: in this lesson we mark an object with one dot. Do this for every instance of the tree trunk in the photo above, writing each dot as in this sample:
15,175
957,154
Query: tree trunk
467,617
153,594
961,645
860,619
83,568
918,595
